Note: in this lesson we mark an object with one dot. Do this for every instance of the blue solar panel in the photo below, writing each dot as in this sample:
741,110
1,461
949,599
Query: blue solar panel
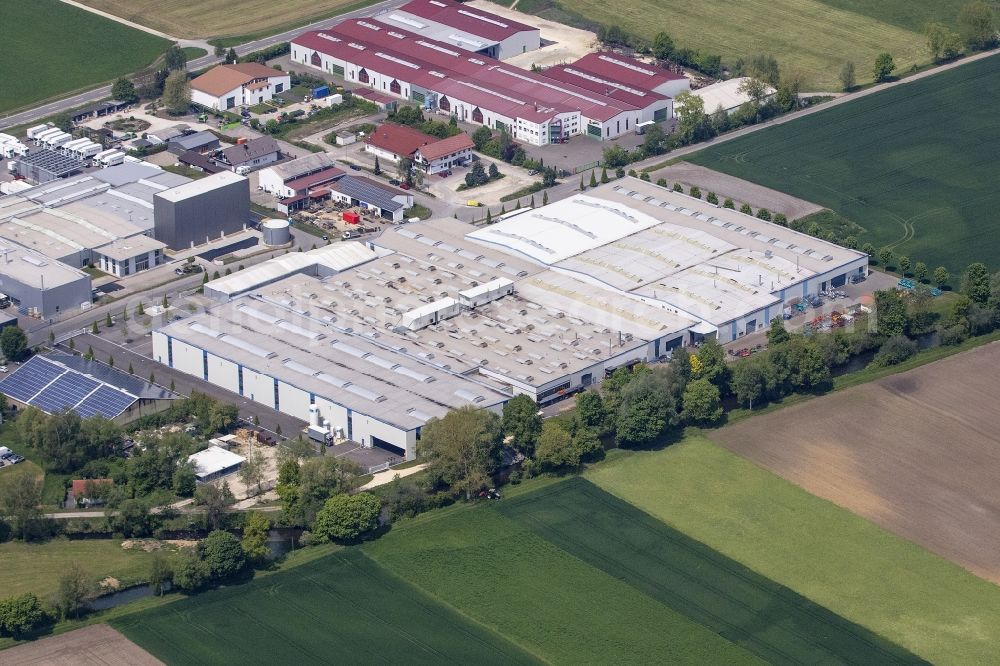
30,378
64,392
106,401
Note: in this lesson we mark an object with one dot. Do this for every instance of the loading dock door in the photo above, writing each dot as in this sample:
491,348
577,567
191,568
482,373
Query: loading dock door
382,444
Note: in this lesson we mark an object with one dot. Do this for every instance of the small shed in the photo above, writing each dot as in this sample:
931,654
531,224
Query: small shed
214,462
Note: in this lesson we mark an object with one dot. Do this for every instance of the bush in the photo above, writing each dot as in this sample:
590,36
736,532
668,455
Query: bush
746,209
21,615
728,203
695,192
894,351
662,182
764,214
712,198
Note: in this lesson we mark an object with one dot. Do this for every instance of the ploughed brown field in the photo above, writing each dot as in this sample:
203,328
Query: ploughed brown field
917,453
97,645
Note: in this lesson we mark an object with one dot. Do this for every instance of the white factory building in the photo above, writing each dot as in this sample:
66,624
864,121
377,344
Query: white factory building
382,336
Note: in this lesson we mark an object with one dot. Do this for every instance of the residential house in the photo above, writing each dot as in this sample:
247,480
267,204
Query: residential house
244,84
251,155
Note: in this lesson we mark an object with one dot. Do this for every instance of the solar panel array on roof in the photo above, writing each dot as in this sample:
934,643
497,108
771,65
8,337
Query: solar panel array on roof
65,392
29,379
53,387
361,190
106,401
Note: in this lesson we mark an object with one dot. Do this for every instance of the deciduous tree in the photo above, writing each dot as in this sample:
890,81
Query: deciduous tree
254,540
177,92
347,517
941,276
222,553
701,402
977,25
463,448
20,495
522,423
21,615
884,67
124,90
13,342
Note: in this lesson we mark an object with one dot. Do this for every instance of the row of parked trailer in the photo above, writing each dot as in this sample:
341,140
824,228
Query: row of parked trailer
84,150
11,147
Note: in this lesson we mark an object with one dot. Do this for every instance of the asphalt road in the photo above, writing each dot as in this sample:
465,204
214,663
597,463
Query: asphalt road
101,92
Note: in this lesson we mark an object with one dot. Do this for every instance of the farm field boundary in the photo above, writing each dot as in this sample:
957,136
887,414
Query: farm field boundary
49,48
189,19
767,619
341,609
861,572
537,595
918,455
913,164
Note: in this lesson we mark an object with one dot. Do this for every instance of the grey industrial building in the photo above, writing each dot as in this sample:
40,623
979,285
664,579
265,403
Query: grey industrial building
373,340
38,285
201,210
109,218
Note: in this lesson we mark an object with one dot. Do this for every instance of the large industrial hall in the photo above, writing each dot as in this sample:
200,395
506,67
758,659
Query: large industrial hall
382,336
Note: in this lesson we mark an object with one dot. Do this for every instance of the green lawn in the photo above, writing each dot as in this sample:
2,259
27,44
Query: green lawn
56,48
814,37
36,567
344,608
921,602
529,590
193,52
914,165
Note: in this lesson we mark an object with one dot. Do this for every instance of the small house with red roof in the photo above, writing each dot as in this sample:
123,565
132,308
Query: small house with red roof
430,154
88,492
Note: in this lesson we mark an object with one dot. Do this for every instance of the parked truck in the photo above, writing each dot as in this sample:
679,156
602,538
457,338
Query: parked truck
320,434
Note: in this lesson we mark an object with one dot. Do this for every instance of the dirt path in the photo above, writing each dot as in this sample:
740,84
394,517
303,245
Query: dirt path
119,19
916,453
99,645
741,191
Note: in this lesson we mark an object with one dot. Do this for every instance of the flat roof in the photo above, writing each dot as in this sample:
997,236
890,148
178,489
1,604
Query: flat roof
201,186
296,344
642,240
335,257
213,460
725,94
126,248
35,269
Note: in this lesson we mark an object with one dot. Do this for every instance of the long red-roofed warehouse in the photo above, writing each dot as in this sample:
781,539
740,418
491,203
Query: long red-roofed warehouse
532,107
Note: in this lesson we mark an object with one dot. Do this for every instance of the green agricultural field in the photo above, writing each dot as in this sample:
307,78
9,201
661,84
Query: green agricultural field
340,609
36,567
862,573
767,619
210,18
815,37
541,597
48,47
914,165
